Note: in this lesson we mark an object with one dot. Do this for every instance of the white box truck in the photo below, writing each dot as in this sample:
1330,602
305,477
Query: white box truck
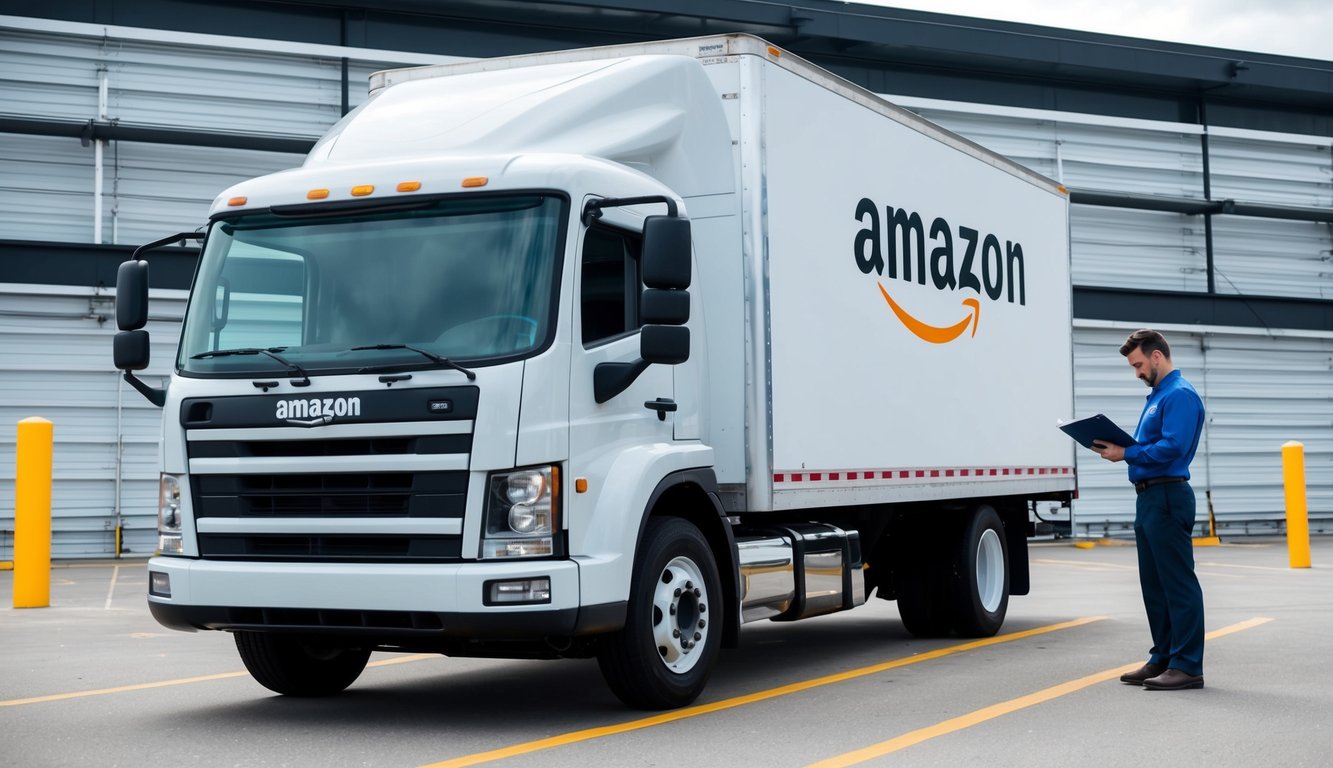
606,353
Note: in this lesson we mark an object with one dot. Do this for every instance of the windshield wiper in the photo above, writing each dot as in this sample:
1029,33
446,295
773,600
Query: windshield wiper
270,352
229,352
446,362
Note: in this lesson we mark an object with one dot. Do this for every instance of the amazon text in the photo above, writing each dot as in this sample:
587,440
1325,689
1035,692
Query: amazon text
894,245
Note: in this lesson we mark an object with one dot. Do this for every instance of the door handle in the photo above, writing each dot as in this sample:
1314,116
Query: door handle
662,405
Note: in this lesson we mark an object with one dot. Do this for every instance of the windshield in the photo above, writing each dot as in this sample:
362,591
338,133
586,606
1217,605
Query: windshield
426,285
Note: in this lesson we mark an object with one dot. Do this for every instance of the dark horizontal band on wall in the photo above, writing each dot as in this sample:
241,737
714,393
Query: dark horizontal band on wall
1182,308
89,130
1196,207
41,263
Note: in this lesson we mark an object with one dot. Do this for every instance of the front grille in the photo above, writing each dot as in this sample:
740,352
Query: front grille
316,497
382,446
389,494
250,512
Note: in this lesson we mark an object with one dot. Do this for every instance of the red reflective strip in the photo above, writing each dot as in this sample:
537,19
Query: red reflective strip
834,476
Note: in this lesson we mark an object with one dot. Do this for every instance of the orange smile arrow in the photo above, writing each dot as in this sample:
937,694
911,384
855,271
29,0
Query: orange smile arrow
930,333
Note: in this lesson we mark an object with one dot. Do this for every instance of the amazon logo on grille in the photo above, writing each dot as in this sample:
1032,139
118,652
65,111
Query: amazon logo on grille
314,410
961,259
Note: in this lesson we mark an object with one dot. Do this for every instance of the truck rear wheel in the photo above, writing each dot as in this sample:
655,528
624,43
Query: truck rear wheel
925,599
982,594
665,653
300,666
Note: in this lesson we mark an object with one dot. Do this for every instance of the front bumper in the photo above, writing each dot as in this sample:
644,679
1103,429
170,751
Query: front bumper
391,600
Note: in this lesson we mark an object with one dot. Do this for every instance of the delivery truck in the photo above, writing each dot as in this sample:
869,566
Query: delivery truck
606,353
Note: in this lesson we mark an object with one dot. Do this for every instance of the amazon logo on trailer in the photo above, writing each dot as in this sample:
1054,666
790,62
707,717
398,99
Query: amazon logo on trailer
893,246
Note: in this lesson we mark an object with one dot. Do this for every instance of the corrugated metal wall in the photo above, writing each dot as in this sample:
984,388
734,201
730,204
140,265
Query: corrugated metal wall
210,84
55,354
55,342
1259,392
1262,389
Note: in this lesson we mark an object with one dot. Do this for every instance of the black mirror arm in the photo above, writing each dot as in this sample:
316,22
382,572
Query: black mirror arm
592,210
177,238
154,395
610,379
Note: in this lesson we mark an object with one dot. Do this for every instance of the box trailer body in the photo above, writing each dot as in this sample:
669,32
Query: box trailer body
526,342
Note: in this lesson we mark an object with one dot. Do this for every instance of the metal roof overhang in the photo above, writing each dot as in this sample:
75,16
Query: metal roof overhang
823,30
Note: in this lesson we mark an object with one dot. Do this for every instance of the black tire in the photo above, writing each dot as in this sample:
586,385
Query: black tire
294,665
925,590
981,596
675,589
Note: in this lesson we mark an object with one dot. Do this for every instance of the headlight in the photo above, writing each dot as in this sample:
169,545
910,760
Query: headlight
169,515
522,513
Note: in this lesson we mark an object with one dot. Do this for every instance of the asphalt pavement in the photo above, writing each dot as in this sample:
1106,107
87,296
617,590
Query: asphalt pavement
92,680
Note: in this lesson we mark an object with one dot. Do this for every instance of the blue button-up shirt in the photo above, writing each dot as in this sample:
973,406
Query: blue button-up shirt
1168,432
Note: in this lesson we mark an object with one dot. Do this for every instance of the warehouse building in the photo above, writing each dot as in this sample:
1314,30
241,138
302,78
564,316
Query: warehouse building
1201,186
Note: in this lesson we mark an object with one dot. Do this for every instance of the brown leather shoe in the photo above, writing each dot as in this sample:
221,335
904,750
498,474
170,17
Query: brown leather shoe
1173,680
1142,673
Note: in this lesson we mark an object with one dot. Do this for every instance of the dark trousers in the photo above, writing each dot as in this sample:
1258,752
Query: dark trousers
1163,524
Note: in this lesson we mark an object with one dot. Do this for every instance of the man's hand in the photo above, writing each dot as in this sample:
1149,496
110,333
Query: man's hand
1108,451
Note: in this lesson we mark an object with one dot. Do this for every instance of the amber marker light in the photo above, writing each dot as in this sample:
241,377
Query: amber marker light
476,181
774,52
235,201
580,485
409,186
361,190
317,194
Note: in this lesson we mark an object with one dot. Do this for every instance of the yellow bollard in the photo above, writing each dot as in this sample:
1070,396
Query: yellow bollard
32,514
1298,522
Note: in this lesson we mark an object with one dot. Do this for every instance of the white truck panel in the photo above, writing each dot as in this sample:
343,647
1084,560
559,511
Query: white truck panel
956,375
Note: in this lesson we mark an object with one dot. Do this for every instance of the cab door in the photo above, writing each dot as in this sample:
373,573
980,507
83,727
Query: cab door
608,287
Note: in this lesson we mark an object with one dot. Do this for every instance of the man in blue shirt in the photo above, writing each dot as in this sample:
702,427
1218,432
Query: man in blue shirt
1159,468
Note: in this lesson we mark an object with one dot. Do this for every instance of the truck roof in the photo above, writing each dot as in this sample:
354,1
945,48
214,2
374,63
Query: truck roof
708,49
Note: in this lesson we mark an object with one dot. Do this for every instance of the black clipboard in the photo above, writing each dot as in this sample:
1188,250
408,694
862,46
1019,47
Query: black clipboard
1097,428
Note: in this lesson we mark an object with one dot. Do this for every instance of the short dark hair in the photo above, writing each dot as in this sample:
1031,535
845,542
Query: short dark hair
1147,340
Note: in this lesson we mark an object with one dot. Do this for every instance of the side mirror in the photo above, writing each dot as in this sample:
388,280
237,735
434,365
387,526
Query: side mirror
130,350
665,260
665,344
657,305
130,346
132,295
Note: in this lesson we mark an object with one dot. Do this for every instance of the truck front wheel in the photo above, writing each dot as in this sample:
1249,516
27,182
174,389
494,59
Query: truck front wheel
664,654
982,595
300,666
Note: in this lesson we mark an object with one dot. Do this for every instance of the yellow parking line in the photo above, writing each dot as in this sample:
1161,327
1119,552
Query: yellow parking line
997,710
1245,567
119,689
587,734
1086,566
181,681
